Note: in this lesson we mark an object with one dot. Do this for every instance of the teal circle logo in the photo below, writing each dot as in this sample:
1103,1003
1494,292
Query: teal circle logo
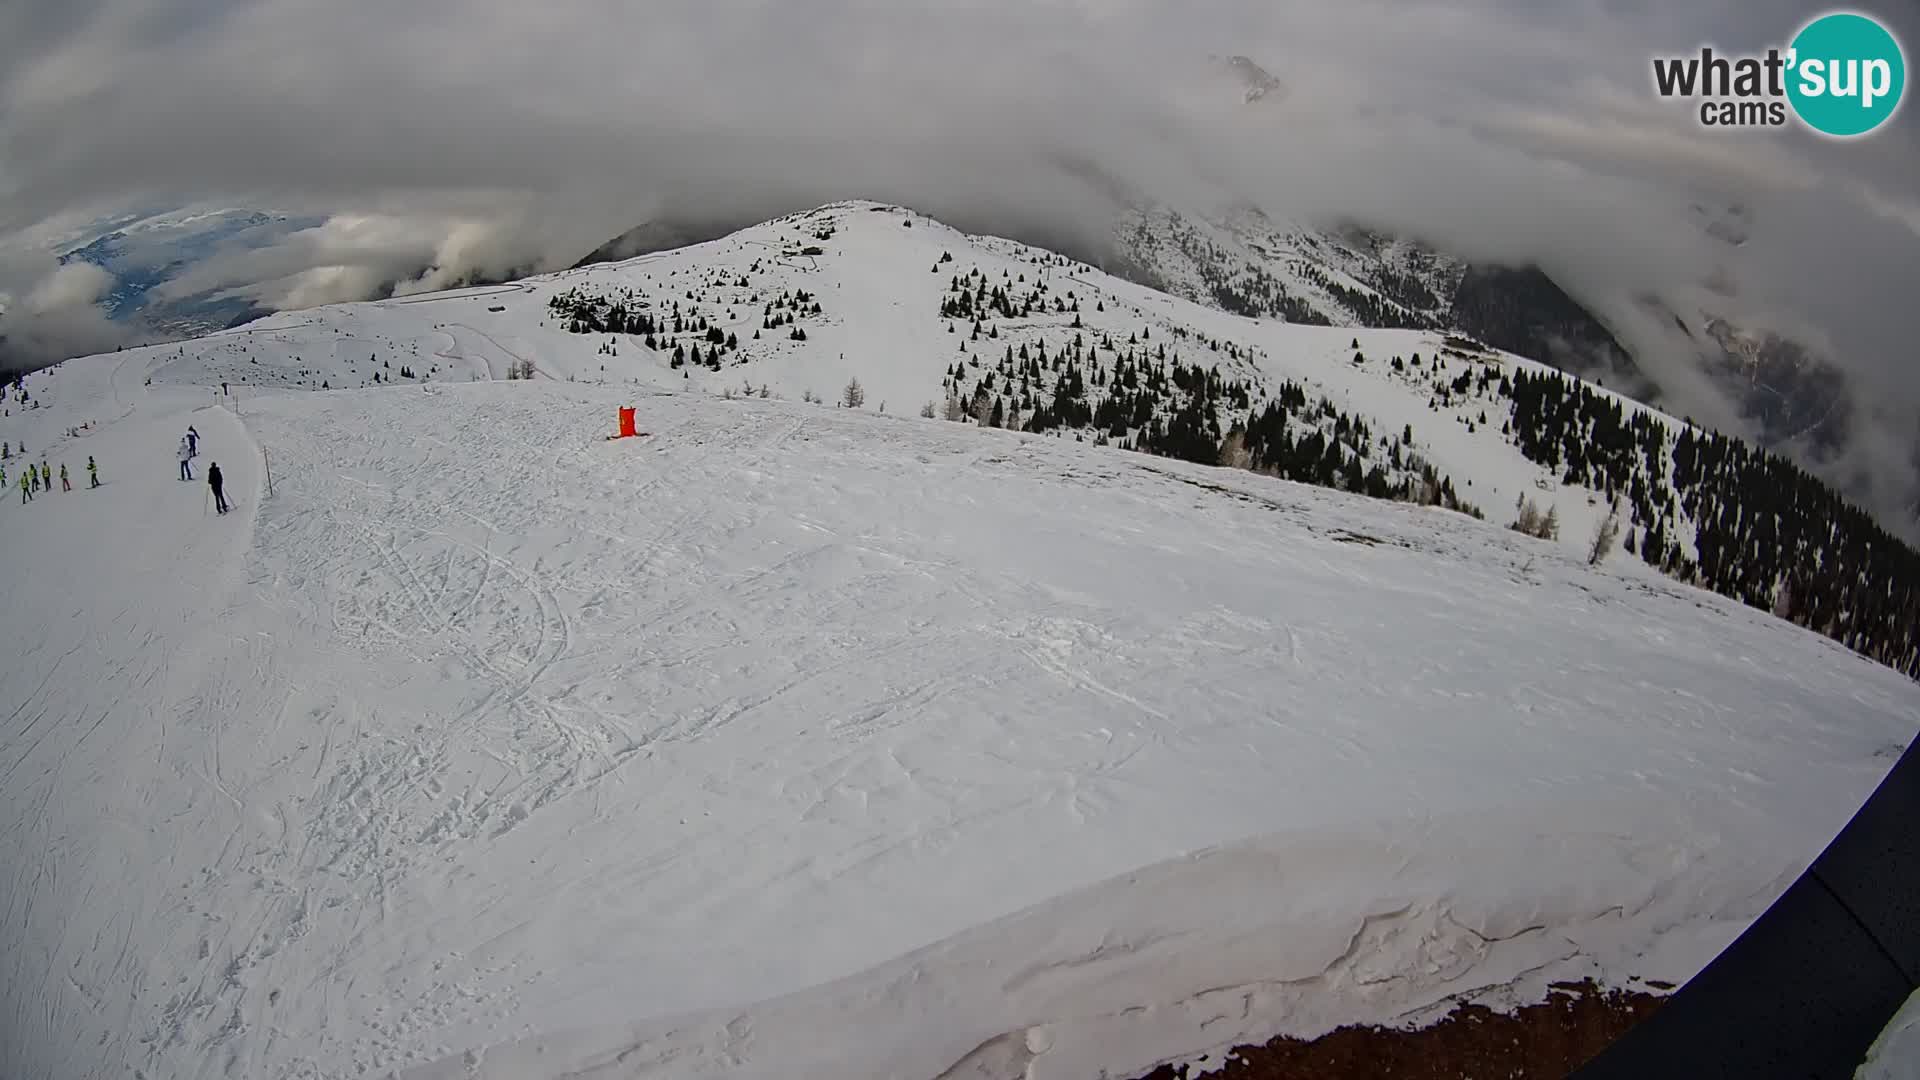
1846,74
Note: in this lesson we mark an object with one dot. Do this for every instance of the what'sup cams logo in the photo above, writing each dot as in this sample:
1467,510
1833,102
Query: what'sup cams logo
1842,75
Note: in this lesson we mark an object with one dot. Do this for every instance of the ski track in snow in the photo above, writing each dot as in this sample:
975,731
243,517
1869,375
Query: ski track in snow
788,740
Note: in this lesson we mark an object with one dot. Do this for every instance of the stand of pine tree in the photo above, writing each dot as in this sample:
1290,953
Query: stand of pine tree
1700,506
1763,531
1766,532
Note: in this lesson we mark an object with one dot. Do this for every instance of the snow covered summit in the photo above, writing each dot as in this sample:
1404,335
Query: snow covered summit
793,738
986,331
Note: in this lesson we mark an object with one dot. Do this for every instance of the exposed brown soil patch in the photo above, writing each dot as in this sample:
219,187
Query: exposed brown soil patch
1538,1042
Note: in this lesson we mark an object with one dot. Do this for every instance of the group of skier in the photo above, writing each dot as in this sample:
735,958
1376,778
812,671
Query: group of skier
190,449
35,479
38,478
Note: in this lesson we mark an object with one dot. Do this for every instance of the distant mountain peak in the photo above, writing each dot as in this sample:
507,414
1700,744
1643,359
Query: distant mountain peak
1732,224
1349,273
1792,395
1256,82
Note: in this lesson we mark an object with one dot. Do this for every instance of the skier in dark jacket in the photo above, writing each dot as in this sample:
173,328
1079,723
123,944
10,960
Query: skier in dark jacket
214,481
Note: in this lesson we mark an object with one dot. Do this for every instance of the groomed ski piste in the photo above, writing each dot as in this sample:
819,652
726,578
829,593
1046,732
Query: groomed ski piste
795,740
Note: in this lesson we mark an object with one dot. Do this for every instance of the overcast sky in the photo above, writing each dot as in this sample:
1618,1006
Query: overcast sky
440,136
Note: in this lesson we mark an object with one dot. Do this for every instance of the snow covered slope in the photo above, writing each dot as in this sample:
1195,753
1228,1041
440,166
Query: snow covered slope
797,739
866,286
1234,257
1895,1055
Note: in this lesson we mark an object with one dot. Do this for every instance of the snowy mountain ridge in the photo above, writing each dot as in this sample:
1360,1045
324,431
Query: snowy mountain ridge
1024,338
805,303
1241,260
794,737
